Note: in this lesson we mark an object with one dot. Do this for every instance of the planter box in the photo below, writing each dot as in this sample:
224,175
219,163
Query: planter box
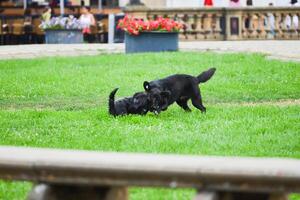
63,36
151,42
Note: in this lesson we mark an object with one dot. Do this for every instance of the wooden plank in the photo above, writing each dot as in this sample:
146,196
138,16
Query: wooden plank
214,195
126,169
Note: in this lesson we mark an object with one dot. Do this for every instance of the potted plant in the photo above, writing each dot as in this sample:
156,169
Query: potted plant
62,30
150,36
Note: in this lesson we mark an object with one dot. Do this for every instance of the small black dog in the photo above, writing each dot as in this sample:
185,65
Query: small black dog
139,103
181,88
158,99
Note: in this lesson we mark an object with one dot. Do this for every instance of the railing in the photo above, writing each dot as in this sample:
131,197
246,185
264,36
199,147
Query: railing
63,174
230,23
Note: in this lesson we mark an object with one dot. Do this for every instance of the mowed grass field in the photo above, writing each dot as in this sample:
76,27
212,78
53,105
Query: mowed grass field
253,109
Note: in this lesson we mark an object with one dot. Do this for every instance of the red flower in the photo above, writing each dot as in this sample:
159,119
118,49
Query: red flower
134,26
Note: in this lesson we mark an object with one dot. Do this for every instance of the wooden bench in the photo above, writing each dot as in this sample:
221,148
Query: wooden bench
68,174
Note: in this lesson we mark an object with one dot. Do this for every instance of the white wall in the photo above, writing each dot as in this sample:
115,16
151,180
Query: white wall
183,3
148,3
219,3
199,3
275,2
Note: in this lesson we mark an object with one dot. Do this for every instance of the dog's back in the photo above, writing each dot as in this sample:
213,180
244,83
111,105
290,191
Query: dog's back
179,82
182,87
137,104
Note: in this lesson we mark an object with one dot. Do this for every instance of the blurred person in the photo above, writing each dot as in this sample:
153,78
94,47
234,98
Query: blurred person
208,3
55,3
295,22
288,21
87,20
234,3
294,2
247,20
28,27
46,16
271,21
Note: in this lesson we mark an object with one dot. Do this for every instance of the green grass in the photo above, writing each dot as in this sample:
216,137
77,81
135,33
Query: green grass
222,131
60,81
62,103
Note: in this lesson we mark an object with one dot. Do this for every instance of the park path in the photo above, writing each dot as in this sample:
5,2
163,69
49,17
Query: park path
283,49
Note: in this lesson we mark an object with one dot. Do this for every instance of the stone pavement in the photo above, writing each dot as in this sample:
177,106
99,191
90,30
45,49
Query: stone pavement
283,49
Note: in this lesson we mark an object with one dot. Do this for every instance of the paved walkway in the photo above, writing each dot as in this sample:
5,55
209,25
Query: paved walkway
284,50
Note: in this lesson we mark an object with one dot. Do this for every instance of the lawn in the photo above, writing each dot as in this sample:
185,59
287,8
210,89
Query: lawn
62,103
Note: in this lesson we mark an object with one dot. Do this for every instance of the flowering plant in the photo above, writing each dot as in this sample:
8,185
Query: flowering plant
134,26
70,22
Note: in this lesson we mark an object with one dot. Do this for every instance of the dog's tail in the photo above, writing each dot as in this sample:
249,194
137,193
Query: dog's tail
111,102
206,75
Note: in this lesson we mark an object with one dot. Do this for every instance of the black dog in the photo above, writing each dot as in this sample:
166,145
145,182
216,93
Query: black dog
158,99
181,88
139,103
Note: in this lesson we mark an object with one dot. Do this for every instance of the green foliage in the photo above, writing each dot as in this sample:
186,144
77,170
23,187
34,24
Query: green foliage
62,103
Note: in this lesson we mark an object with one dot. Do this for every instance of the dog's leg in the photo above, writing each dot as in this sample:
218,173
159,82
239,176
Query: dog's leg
197,99
183,104
198,104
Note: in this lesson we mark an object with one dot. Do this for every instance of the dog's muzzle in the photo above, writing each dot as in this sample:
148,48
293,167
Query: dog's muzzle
156,110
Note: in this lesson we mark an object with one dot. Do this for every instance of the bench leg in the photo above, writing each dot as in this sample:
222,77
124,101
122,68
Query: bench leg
214,195
65,192
206,195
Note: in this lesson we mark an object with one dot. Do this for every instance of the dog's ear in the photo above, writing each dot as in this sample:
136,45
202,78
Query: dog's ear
166,94
147,86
